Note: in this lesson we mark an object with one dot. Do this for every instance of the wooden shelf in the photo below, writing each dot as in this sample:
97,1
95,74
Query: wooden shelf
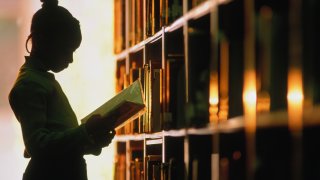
202,54
124,138
154,141
311,118
194,13
122,55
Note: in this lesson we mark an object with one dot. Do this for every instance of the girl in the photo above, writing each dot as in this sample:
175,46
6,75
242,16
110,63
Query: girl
53,139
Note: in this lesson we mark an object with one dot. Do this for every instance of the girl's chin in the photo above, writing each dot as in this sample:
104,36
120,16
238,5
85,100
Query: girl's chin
58,69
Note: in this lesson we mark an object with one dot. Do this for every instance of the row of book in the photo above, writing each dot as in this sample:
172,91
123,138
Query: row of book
167,86
120,167
164,94
133,23
154,168
157,170
276,152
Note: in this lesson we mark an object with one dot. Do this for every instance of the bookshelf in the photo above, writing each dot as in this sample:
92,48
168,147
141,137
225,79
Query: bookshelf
193,58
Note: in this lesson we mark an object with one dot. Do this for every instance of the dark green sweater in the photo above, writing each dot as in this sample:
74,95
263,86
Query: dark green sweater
53,139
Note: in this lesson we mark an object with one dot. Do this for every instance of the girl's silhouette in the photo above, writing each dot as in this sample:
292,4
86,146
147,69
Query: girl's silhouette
53,139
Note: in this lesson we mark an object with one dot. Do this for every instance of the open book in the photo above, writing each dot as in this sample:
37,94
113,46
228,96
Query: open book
126,106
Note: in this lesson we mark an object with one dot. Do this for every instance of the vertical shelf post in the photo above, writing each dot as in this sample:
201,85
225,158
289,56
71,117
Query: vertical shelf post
295,87
214,89
249,91
186,58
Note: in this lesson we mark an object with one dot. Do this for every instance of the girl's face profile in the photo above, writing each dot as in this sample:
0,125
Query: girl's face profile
55,34
61,59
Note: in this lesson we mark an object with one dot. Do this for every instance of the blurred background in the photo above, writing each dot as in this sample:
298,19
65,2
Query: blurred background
88,82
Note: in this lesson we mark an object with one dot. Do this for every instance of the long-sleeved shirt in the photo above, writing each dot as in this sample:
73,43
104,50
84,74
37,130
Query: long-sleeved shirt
51,133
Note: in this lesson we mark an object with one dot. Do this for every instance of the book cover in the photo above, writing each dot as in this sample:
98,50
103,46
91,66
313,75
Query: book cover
126,106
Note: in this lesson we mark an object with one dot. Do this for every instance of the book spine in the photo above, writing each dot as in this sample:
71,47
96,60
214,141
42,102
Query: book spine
120,76
162,13
148,18
139,21
153,21
117,26
174,96
264,40
120,167
224,80
142,80
133,23
123,38
156,80
146,116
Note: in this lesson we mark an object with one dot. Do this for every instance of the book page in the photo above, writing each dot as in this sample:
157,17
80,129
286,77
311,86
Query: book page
122,108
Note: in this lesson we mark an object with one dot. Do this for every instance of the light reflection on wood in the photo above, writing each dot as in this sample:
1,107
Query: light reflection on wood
224,80
295,100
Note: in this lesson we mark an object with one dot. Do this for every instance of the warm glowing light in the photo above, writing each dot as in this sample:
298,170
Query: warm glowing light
89,80
12,162
214,97
295,100
214,100
263,102
224,80
250,98
250,87
223,108
250,101
223,1
295,96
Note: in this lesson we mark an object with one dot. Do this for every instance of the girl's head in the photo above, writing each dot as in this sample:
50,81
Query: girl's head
55,35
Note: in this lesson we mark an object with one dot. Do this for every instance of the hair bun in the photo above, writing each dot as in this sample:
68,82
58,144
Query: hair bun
49,3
